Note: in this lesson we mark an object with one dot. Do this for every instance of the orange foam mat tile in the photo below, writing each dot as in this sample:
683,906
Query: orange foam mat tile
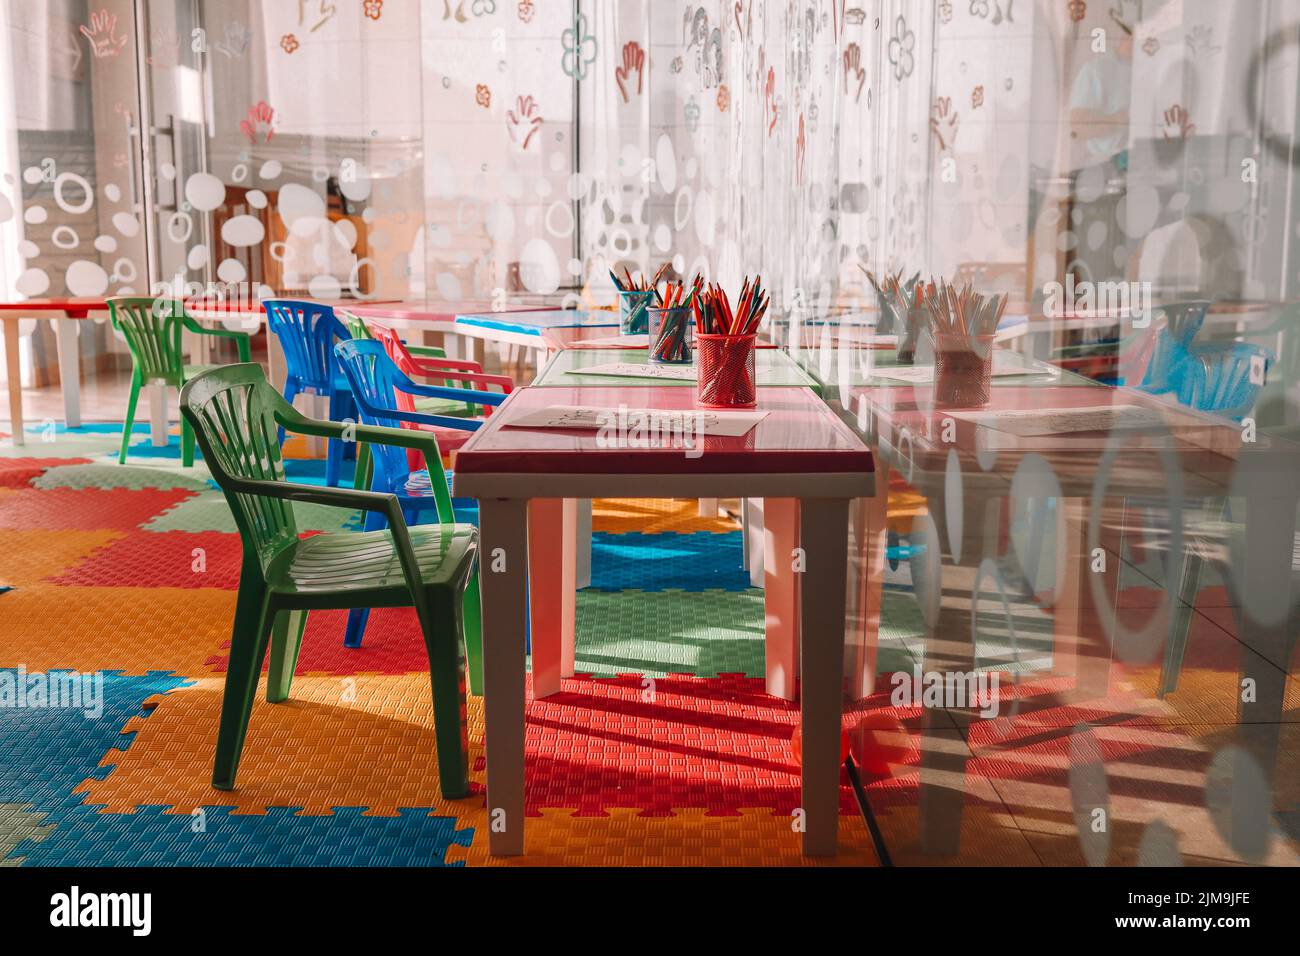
651,515
132,630
690,837
27,557
336,742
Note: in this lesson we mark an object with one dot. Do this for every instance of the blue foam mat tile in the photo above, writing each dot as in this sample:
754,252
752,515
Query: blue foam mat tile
699,561
49,751
152,837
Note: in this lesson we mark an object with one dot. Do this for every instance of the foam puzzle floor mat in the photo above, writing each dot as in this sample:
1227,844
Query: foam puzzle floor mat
664,750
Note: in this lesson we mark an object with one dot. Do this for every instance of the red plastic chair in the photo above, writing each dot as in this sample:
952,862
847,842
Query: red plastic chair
451,373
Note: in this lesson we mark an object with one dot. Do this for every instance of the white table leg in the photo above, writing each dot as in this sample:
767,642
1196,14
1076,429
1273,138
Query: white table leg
277,369
65,332
754,541
13,369
582,545
320,409
158,415
552,526
781,595
866,576
708,507
824,539
503,535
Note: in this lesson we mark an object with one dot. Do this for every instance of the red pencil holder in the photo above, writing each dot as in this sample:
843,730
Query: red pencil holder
963,370
727,375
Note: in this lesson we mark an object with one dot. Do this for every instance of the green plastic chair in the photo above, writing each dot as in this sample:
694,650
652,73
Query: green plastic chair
152,328
235,414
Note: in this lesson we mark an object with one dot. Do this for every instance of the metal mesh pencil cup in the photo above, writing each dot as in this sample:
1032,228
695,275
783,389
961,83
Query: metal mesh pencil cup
963,370
726,371
632,304
671,331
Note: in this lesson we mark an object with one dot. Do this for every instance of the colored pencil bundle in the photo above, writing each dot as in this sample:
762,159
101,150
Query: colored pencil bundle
967,313
892,291
714,315
670,342
639,283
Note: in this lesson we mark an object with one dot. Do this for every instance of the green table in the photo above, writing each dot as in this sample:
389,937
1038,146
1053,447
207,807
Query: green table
774,366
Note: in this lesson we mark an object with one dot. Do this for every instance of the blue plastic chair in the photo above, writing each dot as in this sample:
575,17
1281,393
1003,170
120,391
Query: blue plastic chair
307,331
1173,344
1217,378
374,380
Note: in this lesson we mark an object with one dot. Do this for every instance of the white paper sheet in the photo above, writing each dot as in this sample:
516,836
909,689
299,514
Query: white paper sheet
631,420
676,373
1034,422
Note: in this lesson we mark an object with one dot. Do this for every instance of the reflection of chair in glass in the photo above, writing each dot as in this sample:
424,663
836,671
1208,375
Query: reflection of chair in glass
1224,377
1182,320
152,328
376,382
235,414
307,331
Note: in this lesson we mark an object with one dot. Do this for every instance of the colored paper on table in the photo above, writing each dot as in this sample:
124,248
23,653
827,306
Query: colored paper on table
1036,422
677,373
630,420
1003,365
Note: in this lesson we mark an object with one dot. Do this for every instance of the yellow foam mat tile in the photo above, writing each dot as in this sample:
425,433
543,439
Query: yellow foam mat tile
356,741
31,556
756,837
652,515
300,446
903,508
1204,695
133,630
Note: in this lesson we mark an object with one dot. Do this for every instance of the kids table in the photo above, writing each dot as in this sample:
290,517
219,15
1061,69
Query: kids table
63,312
525,480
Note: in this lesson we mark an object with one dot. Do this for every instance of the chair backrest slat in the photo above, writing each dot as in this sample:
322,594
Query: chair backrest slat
232,410
152,329
306,331
1182,320
375,379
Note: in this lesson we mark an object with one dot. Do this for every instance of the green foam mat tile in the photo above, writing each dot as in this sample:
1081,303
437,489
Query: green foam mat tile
705,633
18,823
209,512
121,476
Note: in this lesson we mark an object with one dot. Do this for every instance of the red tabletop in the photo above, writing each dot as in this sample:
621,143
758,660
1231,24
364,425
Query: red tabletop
801,435
81,304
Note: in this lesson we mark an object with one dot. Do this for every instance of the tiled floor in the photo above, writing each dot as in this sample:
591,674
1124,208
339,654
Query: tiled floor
103,563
